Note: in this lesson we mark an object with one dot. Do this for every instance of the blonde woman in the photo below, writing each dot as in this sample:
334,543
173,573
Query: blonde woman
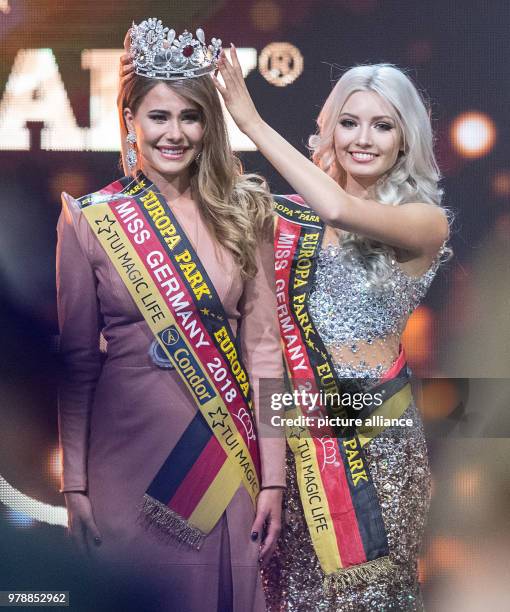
173,264
356,252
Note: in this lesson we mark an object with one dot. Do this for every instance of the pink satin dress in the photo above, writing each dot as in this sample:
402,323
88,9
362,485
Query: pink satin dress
120,416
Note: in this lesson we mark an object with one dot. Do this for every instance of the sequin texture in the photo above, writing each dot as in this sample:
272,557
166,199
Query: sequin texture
360,324
398,463
361,328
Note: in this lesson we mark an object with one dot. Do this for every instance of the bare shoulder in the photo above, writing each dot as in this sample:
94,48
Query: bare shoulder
434,218
434,233
432,212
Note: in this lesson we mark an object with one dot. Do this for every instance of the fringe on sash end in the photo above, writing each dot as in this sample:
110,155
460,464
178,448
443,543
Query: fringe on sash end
157,516
357,574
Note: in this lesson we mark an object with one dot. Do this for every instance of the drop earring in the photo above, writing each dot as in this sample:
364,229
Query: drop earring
131,156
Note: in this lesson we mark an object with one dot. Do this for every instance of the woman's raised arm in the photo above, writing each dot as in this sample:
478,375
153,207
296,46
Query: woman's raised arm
415,227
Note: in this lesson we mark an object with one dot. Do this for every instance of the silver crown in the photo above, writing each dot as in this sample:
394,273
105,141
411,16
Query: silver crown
158,54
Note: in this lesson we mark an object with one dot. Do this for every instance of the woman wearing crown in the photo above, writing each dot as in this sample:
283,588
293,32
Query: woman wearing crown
163,464
355,253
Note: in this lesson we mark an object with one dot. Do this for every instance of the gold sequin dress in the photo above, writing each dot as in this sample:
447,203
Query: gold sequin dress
361,327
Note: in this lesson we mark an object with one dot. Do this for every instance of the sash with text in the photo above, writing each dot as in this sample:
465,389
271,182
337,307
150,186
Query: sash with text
164,276
338,495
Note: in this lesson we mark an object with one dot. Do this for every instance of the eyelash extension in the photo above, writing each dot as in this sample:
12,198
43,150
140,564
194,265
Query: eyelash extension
192,116
350,123
186,117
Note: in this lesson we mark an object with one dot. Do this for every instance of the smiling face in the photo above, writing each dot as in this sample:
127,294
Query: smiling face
169,133
366,139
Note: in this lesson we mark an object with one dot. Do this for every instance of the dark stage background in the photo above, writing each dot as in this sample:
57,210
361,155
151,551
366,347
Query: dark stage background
58,131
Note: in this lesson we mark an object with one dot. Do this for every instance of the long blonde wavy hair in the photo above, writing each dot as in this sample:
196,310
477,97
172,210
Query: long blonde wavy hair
415,175
237,207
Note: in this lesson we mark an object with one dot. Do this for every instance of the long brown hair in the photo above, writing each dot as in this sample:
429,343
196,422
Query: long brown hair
237,207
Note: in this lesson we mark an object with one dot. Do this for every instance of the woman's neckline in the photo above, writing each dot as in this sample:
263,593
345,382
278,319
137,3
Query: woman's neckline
393,262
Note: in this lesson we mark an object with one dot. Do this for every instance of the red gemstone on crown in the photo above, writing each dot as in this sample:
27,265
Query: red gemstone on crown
187,51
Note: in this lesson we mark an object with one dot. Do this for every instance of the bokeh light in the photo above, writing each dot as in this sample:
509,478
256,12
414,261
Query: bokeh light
439,398
467,482
422,570
473,134
22,507
468,124
280,63
502,226
418,337
73,183
455,555
501,184
19,519
55,464
419,51
447,553
266,15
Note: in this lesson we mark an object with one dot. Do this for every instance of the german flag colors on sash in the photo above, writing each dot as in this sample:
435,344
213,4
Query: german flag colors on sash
158,265
338,495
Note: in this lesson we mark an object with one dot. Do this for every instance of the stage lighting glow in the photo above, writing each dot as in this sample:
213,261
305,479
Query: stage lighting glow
266,15
103,134
438,398
417,337
419,51
280,63
432,486
501,183
502,227
473,134
467,482
19,519
55,464
422,570
451,554
36,93
18,502
71,182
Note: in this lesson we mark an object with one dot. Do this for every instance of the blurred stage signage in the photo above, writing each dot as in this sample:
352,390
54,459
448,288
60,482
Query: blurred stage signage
35,92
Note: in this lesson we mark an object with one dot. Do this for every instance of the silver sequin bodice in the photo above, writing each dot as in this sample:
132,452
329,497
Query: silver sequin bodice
361,325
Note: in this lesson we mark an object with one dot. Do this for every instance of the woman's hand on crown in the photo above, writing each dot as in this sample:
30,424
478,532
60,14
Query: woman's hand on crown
126,66
235,93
